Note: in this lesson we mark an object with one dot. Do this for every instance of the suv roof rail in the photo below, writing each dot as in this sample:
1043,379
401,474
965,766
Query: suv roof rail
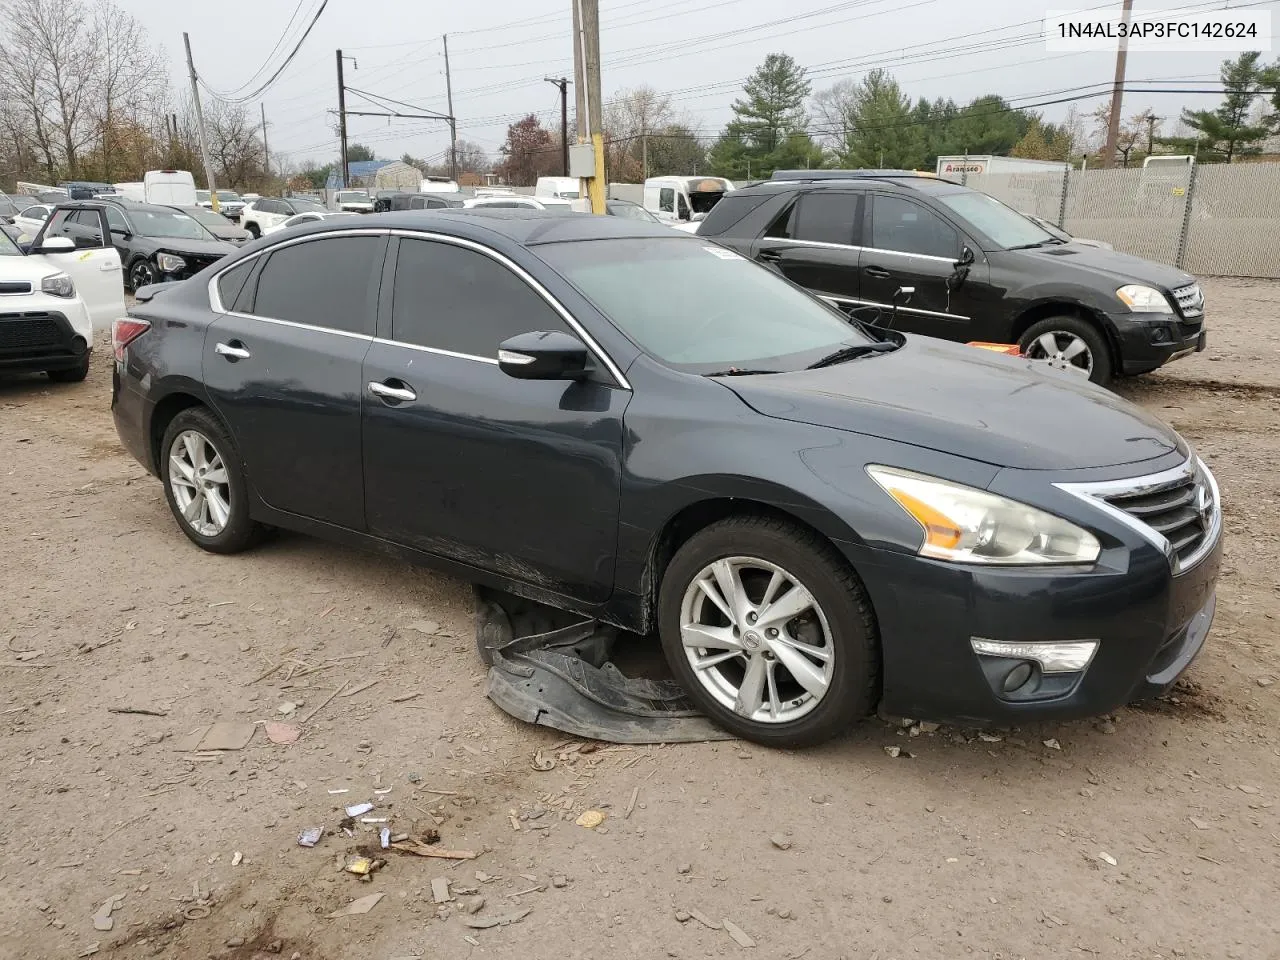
841,174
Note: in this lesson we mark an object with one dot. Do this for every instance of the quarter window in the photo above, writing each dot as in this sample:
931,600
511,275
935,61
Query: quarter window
452,298
322,283
232,282
907,227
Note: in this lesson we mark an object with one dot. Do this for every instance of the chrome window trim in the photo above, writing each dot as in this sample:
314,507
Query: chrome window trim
1094,492
215,299
836,301
614,370
849,246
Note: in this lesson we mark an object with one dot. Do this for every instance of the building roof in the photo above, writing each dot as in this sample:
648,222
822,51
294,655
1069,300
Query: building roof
359,169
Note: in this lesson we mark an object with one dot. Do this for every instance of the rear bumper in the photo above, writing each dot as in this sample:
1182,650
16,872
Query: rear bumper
1146,344
42,340
131,410
1150,625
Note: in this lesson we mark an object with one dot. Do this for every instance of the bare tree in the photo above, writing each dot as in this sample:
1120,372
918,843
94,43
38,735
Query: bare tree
234,144
129,79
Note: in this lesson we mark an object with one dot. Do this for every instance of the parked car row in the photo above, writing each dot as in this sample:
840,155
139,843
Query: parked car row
818,518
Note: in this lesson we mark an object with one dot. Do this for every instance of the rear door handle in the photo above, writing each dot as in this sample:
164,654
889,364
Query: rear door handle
880,273
392,394
769,256
233,351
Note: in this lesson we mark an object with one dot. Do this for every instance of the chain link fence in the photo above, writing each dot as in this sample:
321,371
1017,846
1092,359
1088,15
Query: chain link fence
1210,220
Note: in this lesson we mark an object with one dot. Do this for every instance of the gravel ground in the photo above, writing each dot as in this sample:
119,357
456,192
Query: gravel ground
1151,834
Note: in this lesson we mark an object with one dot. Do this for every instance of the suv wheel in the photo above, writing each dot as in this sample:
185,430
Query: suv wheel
204,483
1069,343
141,273
769,632
253,229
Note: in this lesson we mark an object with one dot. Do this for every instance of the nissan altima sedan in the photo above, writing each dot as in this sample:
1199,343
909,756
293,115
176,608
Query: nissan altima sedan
817,519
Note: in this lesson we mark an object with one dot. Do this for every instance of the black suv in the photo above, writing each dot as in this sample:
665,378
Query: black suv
155,243
960,265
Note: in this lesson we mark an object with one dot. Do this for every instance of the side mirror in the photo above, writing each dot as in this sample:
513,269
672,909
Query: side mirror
543,356
966,257
57,245
698,216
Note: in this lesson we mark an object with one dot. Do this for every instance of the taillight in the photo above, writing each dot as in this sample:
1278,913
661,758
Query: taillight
124,331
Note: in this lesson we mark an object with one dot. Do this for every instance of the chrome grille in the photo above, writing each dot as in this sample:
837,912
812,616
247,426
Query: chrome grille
1177,510
1190,300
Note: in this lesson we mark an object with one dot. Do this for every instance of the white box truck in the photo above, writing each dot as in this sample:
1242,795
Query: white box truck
956,168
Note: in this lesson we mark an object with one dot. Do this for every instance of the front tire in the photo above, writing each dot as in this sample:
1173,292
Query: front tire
1072,344
74,374
254,230
142,273
205,485
769,632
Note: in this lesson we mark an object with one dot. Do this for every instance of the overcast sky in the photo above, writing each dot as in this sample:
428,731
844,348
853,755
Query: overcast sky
700,50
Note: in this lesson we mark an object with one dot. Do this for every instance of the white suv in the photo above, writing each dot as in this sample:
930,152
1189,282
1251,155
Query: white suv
52,299
272,211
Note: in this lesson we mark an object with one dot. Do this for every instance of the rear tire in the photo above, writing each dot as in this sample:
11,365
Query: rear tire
74,374
204,483
794,681
254,230
1066,334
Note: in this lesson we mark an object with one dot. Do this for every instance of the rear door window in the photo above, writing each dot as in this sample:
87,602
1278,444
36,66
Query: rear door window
322,283
825,217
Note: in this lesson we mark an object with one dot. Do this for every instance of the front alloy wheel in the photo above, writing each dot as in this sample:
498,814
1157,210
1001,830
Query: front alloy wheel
1062,350
1072,344
757,640
142,273
200,484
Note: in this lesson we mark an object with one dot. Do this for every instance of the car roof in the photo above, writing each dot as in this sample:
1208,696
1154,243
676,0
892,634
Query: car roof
123,203
526,227
783,180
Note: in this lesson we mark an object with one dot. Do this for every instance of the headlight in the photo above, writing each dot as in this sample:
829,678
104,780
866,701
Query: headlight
967,525
169,263
58,285
1142,299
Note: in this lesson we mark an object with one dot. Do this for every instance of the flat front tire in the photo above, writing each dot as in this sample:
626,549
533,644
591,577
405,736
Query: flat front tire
769,632
204,483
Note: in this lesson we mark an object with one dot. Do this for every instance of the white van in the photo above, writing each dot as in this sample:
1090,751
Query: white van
559,188
683,199
175,188
134,190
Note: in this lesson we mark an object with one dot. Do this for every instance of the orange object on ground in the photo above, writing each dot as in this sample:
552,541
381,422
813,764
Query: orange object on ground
1009,348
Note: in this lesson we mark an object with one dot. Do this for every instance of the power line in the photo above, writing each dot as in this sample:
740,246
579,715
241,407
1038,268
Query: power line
278,44
275,76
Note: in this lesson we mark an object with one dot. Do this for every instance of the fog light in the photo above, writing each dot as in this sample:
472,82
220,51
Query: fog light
1160,335
1070,656
1017,677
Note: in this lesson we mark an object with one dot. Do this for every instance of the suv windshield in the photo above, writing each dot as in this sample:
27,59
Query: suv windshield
208,216
1006,226
7,247
166,223
701,308
228,196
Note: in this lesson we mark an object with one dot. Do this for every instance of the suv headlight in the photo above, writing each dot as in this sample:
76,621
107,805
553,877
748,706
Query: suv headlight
1141,299
169,262
967,525
58,285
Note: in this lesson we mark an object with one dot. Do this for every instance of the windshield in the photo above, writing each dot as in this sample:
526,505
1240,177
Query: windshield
228,196
203,195
166,223
353,196
632,211
7,247
208,217
1006,226
307,206
701,308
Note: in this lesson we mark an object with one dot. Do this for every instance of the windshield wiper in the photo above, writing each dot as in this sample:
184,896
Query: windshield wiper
738,372
1038,243
853,352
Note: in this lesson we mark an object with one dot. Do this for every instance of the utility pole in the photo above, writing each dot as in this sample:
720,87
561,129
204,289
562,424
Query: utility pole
1152,120
266,154
563,84
204,146
1108,159
453,123
342,123
587,48
644,155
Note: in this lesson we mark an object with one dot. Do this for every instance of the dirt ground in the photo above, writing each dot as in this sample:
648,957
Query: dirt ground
1152,834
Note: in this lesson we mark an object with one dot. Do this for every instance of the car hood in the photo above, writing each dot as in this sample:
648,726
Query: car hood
1005,411
197,248
32,268
1120,267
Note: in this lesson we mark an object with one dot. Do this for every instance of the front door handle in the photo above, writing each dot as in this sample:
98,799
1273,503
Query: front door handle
109,266
389,393
880,273
233,351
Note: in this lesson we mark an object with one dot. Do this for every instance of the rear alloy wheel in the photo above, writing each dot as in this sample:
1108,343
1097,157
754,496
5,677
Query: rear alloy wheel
769,632
142,273
204,484
1071,344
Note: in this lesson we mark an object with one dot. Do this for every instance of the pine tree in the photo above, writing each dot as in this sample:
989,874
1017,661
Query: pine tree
1225,132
